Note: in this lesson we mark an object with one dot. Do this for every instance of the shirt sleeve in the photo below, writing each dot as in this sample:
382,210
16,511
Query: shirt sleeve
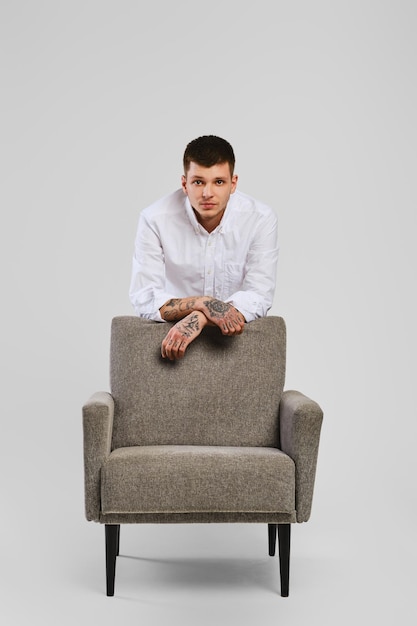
256,295
147,287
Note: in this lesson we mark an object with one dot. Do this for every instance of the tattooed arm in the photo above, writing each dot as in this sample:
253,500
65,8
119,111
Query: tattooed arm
182,334
193,314
222,314
177,308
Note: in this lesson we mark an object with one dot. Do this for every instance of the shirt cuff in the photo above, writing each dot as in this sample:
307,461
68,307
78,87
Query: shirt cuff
249,304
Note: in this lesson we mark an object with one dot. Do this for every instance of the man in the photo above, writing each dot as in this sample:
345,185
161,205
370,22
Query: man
205,254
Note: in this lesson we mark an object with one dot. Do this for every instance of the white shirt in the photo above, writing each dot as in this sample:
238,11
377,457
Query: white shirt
175,257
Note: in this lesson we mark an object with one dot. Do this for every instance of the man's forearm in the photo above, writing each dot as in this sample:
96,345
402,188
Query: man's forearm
218,313
177,308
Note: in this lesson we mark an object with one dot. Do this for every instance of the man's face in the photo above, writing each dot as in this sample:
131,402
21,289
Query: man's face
209,189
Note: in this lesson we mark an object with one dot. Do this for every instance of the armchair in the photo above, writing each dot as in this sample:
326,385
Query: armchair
209,438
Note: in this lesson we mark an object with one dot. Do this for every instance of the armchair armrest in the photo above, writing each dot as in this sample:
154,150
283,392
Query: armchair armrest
98,414
300,426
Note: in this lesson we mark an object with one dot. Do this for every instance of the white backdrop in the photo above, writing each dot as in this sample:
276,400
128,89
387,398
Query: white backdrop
98,100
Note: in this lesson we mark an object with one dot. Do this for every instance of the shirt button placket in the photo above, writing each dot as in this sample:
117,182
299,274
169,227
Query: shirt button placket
209,265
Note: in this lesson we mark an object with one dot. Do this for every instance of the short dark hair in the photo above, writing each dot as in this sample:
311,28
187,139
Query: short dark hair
207,151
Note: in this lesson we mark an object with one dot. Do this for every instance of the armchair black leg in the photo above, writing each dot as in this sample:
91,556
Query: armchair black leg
284,542
118,540
112,541
272,538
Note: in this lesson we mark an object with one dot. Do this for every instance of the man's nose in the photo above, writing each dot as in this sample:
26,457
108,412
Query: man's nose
207,190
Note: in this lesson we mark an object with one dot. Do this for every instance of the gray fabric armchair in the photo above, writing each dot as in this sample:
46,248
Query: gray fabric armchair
209,438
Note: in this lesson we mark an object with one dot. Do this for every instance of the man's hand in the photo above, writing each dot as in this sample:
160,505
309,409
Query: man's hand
222,314
193,314
182,334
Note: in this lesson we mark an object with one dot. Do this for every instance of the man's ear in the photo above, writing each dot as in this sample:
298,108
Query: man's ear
184,184
234,183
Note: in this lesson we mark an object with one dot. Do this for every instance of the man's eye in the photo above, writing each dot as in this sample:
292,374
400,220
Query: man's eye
197,182
219,182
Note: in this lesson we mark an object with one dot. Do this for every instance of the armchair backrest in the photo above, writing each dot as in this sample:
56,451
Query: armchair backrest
225,391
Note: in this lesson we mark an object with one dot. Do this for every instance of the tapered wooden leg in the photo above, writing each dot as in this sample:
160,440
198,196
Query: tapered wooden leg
284,541
112,533
118,540
272,538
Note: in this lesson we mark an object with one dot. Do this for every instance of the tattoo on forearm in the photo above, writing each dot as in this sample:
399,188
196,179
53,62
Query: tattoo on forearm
176,306
217,308
173,302
189,325
171,310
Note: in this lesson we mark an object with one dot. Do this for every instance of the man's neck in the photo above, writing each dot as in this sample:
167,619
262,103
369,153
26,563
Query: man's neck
209,224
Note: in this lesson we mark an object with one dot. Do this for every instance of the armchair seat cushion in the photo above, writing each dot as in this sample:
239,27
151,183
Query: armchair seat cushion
183,479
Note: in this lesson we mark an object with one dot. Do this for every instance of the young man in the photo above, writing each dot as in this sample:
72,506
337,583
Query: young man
205,254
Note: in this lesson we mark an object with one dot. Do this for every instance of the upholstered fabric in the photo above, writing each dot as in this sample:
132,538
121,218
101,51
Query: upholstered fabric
183,479
207,517
211,438
300,426
97,427
226,391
